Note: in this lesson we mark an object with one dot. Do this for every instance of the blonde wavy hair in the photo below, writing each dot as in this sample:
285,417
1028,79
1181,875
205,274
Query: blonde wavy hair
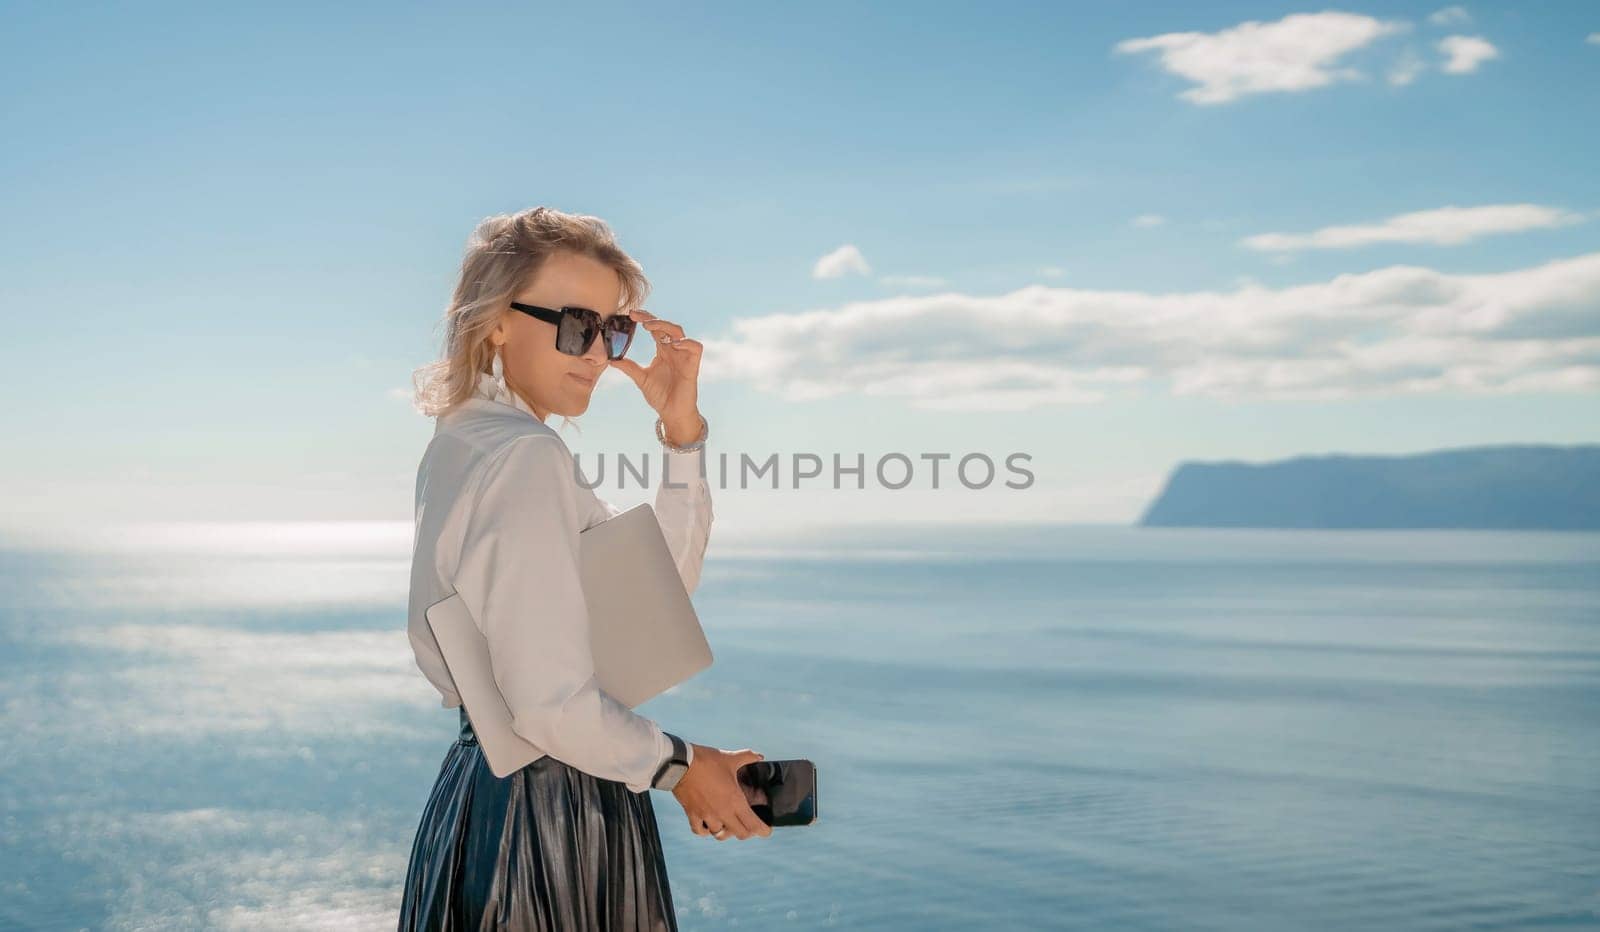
503,255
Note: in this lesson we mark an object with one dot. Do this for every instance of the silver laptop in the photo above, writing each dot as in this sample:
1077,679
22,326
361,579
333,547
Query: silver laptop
644,632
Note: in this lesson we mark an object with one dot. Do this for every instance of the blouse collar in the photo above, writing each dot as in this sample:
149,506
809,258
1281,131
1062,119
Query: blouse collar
490,390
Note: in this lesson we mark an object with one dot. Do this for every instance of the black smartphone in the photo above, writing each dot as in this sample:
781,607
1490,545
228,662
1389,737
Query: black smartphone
781,792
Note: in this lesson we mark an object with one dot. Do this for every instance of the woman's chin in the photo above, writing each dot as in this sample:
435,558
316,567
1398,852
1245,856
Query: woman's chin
573,403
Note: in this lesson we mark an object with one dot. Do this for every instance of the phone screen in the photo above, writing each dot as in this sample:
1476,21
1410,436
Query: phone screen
781,792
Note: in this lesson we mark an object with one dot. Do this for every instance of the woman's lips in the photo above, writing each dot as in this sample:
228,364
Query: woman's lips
580,379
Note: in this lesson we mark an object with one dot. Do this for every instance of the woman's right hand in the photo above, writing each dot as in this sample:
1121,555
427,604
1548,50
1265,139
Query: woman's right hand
712,797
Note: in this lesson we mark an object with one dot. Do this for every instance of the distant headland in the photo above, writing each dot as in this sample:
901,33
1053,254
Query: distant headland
1523,486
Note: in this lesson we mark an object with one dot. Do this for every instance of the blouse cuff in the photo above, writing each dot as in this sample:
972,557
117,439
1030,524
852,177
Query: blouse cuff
684,469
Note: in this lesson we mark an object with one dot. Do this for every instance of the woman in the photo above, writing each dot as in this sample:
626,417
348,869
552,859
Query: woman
570,841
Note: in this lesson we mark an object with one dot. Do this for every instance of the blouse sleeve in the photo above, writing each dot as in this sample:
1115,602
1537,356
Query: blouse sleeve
683,507
519,576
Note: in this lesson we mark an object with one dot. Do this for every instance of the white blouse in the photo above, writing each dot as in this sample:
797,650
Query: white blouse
498,511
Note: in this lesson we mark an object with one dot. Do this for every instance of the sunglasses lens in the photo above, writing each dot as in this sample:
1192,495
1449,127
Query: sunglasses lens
619,333
577,330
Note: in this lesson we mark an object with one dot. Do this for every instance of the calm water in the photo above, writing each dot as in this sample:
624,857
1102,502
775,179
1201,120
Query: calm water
1014,728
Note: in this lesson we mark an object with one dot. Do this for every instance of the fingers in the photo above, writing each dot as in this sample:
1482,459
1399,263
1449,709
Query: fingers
742,823
657,325
680,354
751,823
724,815
632,369
715,827
721,831
739,821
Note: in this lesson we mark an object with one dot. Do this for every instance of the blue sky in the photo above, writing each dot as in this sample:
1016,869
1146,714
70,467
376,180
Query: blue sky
1113,239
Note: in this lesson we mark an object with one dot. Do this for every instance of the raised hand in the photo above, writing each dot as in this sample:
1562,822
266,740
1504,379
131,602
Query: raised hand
671,383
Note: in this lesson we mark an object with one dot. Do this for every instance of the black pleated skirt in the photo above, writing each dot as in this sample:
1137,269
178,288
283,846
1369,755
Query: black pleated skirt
547,848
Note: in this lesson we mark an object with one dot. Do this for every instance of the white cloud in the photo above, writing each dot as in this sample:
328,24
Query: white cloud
1466,53
843,261
1296,53
1401,330
1594,38
1450,15
1052,271
1405,69
1444,226
912,281
1148,220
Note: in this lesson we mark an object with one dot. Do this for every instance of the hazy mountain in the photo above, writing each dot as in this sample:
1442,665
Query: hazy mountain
1512,486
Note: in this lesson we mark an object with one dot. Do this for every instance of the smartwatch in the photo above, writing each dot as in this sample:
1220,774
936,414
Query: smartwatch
675,766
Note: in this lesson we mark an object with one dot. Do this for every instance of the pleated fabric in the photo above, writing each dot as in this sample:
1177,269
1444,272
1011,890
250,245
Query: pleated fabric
547,848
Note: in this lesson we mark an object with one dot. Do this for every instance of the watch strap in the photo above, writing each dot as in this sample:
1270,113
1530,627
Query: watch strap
668,775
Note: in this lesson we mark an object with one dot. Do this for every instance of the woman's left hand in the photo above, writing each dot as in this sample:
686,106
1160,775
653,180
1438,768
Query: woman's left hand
670,384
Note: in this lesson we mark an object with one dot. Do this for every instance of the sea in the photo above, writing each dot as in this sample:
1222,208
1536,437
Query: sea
1013,726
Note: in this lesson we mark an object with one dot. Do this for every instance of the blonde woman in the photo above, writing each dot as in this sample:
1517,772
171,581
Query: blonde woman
546,303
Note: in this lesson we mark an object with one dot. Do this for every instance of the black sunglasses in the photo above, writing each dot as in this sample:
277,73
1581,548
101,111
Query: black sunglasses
576,328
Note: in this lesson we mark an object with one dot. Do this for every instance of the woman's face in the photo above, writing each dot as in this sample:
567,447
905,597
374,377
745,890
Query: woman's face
550,381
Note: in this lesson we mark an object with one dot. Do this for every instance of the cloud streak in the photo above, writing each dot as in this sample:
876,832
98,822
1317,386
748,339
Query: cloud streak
1401,330
848,260
1443,226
